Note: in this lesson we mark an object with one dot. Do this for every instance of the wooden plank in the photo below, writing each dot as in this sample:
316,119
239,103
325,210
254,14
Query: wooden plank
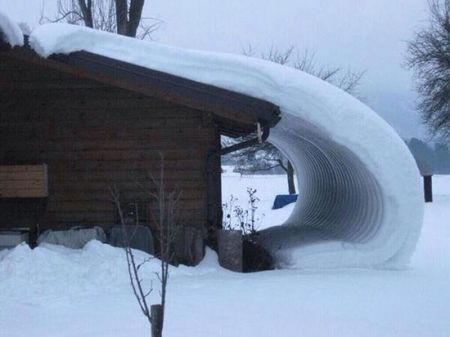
58,133
27,181
109,155
142,176
24,193
145,165
82,218
23,184
106,206
21,170
49,106
104,195
128,186
199,139
150,123
86,218
32,176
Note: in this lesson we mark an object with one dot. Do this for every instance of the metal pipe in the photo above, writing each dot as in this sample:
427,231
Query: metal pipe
247,143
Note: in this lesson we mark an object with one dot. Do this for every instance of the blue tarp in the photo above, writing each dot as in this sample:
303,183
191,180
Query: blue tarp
282,200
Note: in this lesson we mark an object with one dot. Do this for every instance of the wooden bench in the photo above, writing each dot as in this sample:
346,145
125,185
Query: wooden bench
23,181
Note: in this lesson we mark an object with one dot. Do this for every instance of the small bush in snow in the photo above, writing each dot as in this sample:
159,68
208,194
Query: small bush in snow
238,218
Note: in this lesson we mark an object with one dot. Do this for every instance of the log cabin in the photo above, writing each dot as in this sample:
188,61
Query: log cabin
72,126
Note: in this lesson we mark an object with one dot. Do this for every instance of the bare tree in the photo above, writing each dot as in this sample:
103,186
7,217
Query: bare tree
165,221
429,57
265,157
347,80
117,16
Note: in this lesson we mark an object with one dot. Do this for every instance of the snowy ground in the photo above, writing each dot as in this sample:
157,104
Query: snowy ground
52,291
235,184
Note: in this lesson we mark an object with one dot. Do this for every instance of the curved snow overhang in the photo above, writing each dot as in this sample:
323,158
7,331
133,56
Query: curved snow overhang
360,202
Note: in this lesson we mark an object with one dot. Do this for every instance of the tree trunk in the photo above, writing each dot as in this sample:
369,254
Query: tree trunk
428,188
290,178
121,16
128,21
157,320
86,11
135,14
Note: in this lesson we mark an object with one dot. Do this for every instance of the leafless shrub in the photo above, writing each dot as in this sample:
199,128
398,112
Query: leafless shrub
165,222
238,218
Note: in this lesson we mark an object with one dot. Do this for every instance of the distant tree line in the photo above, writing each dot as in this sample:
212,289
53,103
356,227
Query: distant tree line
431,159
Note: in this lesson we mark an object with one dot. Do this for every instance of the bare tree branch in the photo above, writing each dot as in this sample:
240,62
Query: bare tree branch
117,16
133,271
167,202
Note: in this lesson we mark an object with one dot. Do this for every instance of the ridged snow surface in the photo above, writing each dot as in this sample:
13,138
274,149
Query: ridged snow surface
360,201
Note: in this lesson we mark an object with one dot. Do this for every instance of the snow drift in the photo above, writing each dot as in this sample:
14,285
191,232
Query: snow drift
86,292
360,198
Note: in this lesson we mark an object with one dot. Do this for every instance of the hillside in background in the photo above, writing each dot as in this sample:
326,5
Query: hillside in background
431,158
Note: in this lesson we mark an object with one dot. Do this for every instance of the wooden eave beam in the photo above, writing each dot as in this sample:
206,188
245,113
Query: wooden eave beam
228,105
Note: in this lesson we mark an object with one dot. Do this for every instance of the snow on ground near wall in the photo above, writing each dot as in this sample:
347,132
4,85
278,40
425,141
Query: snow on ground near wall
12,33
441,185
52,291
360,187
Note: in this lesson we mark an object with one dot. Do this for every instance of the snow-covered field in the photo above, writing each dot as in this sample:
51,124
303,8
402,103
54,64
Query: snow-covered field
235,184
57,292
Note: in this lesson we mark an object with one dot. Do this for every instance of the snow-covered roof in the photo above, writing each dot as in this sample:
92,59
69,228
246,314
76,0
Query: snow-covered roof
360,198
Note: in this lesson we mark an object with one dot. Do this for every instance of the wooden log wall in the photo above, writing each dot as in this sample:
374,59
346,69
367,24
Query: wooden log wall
93,136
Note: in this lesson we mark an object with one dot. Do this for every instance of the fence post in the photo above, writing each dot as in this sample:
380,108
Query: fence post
428,188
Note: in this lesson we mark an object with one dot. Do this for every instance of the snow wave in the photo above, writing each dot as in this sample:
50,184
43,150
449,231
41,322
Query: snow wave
360,198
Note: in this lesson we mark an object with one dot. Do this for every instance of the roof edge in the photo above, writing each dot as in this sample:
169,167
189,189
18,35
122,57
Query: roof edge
235,110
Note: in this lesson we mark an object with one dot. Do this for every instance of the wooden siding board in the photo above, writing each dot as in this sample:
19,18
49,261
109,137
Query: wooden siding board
28,181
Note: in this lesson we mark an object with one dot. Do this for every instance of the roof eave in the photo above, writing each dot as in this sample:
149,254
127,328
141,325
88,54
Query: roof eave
237,112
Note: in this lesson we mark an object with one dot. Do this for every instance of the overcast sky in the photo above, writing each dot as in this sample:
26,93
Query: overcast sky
361,35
